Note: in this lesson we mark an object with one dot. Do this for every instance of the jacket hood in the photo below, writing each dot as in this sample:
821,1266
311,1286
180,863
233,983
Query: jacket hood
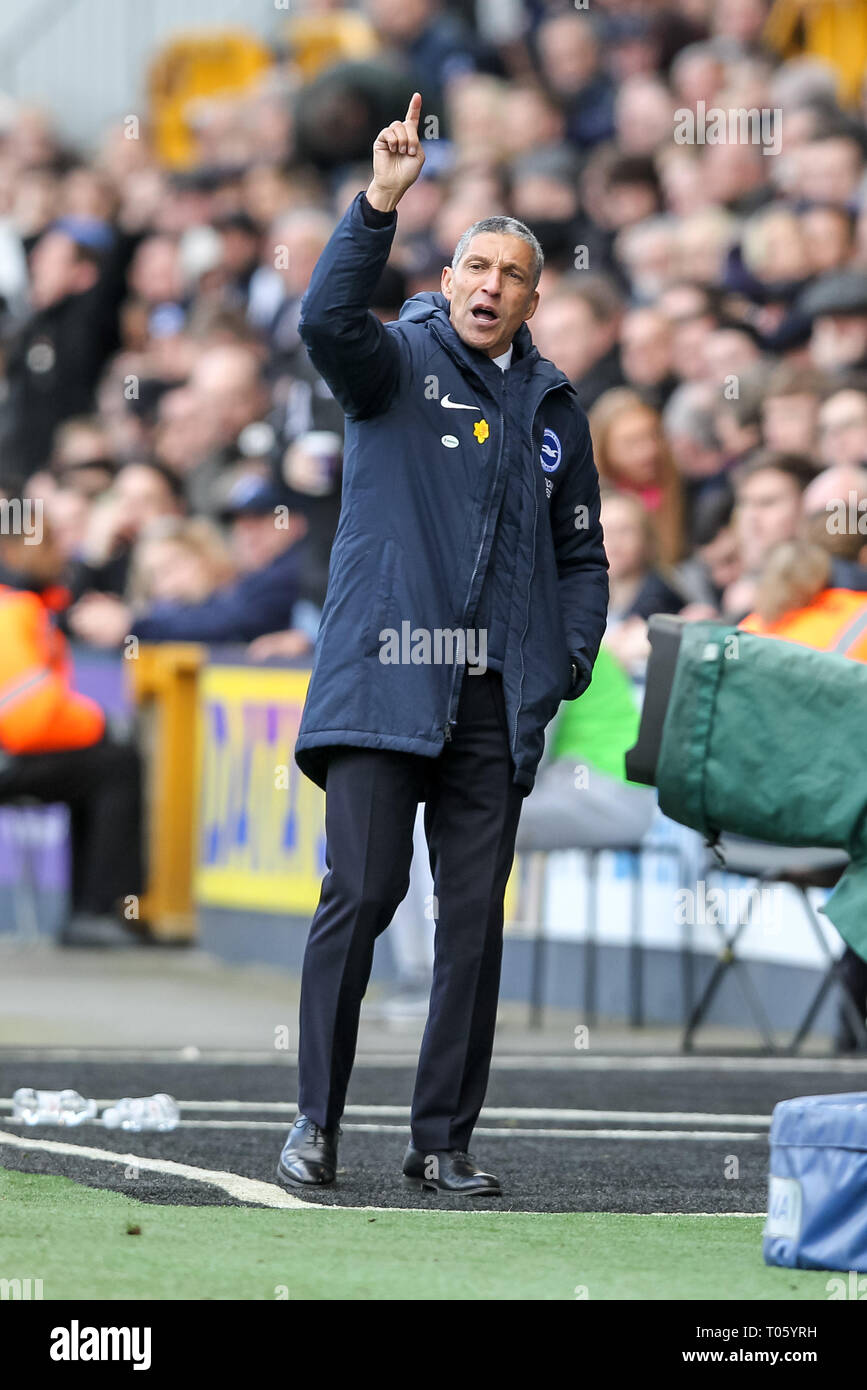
423,305
431,304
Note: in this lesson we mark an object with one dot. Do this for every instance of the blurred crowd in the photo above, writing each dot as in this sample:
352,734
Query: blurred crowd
707,300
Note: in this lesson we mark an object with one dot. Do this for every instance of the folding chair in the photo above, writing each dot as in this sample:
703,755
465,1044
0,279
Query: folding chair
533,911
803,869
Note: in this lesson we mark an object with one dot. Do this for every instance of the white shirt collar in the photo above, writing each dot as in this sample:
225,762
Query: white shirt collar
505,359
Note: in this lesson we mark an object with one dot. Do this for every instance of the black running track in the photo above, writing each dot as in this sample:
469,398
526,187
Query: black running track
550,1173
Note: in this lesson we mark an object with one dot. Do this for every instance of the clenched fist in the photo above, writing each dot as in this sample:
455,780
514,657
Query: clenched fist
397,159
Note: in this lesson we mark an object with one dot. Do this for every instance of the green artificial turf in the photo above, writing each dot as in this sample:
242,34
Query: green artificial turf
82,1243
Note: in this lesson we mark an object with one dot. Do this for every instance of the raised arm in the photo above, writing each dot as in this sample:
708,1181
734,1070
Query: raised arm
347,343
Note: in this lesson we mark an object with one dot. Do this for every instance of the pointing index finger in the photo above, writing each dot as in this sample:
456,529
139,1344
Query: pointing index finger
413,110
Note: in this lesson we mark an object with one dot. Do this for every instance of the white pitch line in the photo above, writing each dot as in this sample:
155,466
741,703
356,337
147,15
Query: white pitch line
491,1132
270,1195
265,1194
493,1112
639,1134
499,1132
499,1112
577,1061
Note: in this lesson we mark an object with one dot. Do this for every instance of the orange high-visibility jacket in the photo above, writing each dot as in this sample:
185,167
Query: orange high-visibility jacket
835,621
39,711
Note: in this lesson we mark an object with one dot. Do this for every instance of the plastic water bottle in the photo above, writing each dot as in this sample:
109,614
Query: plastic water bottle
136,1113
51,1107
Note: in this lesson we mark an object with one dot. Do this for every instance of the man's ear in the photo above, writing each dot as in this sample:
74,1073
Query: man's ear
447,281
534,304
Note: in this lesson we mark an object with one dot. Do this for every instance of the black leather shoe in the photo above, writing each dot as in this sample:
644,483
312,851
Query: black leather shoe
309,1157
452,1171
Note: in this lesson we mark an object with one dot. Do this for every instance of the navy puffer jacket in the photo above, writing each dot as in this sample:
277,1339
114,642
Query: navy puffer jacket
433,429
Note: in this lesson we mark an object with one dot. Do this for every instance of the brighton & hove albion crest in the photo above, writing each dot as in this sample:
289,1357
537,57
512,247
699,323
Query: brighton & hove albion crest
551,452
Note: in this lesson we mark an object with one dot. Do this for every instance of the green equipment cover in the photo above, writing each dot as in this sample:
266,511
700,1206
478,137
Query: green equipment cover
768,739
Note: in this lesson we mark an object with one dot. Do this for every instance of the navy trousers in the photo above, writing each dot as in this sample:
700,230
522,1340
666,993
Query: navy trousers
472,809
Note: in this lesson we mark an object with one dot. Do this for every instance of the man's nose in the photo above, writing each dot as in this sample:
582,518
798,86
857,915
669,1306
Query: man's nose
493,281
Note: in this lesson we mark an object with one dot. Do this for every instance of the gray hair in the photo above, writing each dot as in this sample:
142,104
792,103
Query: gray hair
503,226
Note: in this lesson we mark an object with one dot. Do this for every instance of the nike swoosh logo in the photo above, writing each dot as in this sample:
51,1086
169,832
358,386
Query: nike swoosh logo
456,405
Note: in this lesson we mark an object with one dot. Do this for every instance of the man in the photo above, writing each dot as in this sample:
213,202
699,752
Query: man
577,328
790,409
836,306
53,745
267,541
230,393
469,530
55,360
769,491
843,429
141,494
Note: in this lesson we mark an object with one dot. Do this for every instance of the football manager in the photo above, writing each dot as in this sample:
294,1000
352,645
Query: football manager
467,597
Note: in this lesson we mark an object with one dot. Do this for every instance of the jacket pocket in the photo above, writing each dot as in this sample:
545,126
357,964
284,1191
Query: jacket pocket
382,606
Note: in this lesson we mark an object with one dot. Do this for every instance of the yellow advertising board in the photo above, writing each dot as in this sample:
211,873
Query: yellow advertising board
261,823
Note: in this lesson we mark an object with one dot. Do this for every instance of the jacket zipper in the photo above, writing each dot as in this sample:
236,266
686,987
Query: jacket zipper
447,730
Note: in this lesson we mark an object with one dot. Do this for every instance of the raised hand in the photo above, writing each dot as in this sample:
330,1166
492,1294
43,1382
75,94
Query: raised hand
397,159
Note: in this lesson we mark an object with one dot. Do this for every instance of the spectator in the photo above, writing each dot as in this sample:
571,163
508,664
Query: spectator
54,747
737,419
268,551
55,360
293,247
836,305
571,62
834,506
647,251
715,566
638,588
632,455
141,493
576,325
179,560
229,390
582,797
545,198
646,355
769,490
691,311
82,456
435,46
829,237
842,428
791,409
830,168
312,471
797,601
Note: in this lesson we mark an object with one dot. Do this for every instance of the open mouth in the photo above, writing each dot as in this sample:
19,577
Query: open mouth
482,314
